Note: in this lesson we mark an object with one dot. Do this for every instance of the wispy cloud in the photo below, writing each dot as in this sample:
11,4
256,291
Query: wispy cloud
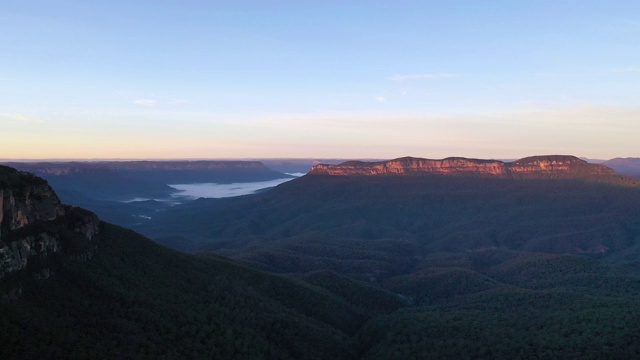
146,102
381,99
402,77
20,119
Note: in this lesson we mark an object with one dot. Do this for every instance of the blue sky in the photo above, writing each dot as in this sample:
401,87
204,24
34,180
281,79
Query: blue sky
347,79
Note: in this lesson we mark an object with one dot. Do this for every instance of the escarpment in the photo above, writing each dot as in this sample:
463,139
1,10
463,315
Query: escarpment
543,167
35,225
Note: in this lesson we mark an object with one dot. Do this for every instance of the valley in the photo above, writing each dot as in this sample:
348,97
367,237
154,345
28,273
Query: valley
344,262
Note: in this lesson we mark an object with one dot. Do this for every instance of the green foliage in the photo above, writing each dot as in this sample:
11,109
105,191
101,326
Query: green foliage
491,269
509,324
320,219
13,179
137,299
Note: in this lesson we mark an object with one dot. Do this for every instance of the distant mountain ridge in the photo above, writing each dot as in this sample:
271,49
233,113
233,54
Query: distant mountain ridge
74,287
547,166
378,267
165,172
627,166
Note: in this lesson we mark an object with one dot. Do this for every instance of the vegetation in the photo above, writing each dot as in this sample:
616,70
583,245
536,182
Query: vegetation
386,268
136,299
394,222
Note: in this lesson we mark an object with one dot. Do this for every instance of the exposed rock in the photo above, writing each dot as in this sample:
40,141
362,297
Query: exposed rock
34,224
410,165
23,206
552,166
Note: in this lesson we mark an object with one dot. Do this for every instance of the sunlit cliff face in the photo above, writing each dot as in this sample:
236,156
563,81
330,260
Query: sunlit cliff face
537,165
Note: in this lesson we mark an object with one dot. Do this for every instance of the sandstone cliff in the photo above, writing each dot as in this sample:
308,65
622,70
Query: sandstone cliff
34,224
551,166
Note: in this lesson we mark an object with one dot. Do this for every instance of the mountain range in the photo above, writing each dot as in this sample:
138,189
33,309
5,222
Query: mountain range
627,166
127,192
407,258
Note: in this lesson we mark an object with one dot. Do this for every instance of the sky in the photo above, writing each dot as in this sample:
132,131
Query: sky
319,79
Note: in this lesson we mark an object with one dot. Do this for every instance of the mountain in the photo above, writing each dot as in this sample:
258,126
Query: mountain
197,171
75,287
545,204
122,191
553,166
493,266
94,180
126,180
297,165
626,166
34,225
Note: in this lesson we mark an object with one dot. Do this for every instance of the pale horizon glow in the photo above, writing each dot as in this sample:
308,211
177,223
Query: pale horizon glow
334,79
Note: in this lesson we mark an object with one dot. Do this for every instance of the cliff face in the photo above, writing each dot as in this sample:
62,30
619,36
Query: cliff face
410,165
556,166
552,166
21,207
34,223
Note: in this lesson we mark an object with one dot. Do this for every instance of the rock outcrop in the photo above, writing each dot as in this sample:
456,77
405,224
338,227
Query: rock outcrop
551,166
34,224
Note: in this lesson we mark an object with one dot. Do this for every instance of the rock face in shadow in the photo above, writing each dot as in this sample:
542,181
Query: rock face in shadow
547,167
34,224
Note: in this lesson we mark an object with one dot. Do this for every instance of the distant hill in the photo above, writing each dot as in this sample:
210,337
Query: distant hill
123,180
74,287
103,186
539,167
298,165
626,166
547,204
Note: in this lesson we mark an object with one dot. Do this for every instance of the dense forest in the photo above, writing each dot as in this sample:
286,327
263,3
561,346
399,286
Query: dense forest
341,268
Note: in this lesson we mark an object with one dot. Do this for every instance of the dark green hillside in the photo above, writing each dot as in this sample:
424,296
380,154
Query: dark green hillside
108,188
442,277
137,299
509,324
94,180
431,267
372,225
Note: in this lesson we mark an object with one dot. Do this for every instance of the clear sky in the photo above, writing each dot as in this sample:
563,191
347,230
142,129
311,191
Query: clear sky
322,78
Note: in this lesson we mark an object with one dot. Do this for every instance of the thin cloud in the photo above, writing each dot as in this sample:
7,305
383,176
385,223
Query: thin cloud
402,77
146,102
381,99
20,119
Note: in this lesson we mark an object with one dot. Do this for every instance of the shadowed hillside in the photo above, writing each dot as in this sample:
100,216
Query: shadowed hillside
381,268
372,225
72,287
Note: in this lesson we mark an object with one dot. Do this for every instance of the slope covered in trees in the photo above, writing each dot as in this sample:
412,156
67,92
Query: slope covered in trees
376,268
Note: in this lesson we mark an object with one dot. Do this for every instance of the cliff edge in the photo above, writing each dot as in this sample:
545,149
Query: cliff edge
542,167
35,225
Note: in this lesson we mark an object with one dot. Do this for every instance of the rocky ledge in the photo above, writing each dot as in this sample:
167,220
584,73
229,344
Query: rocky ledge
34,224
550,166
